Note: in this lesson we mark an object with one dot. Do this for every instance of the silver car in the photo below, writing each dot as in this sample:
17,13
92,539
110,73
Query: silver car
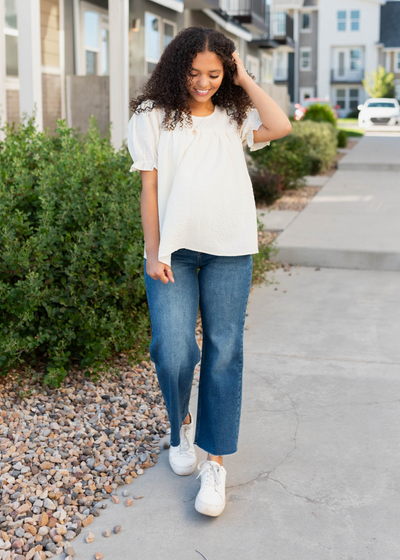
379,111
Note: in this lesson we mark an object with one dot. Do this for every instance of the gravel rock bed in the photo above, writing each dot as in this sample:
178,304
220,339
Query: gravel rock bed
63,451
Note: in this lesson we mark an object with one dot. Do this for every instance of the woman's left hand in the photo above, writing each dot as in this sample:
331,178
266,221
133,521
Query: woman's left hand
240,75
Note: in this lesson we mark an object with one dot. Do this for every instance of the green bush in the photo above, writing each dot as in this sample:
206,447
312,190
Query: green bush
265,186
320,138
71,251
320,113
286,158
342,139
309,149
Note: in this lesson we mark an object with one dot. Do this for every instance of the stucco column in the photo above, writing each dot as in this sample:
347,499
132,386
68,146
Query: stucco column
118,13
30,60
3,98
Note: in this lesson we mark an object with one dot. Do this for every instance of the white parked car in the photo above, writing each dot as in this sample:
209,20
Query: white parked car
379,111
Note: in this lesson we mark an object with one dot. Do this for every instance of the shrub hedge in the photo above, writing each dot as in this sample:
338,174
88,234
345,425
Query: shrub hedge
71,251
342,139
309,149
320,113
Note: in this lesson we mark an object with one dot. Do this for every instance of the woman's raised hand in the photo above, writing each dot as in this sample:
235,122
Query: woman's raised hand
159,270
240,75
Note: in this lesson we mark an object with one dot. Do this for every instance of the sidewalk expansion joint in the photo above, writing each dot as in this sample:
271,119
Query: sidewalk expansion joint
325,358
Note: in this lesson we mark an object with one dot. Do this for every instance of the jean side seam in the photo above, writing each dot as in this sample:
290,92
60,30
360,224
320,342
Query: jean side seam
241,354
198,415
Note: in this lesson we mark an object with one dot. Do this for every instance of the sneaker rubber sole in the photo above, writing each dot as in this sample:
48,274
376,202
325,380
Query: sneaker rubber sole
209,509
183,471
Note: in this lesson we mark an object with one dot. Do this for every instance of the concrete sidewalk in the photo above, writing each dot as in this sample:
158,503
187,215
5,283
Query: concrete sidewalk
377,153
316,474
353,222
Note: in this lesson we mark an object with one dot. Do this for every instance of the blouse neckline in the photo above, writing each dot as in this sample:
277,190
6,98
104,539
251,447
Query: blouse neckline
207,116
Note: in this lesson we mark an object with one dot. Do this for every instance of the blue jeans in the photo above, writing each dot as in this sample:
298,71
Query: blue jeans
221,286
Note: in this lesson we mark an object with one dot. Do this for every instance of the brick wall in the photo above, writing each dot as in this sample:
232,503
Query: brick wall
12,106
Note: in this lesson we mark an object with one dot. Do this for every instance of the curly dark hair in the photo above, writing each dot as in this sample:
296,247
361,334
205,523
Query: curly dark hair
167,85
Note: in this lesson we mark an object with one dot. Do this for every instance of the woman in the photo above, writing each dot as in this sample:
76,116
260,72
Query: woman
186,136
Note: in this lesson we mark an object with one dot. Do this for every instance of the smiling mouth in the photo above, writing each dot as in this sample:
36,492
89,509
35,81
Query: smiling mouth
201,92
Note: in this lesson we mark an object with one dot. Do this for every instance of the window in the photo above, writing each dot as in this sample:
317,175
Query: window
152,32
355,59
281,66
168,33
91,27
266,69
11,37
279,22
355,20
158,35
95,40
341,98
253,66
306,22
353,98
104,52
305,58
398,61
341,20
381,104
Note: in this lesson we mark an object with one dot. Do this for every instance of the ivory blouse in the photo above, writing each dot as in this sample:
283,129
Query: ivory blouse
205,196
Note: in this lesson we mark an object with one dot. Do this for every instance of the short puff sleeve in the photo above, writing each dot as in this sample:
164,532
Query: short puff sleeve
143,138
252,122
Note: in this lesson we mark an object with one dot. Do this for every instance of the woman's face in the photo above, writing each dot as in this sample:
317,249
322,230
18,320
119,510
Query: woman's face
206,74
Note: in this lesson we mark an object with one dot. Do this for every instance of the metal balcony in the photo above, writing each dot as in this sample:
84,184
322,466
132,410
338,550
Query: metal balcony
282,28
281,74
253,14
347,75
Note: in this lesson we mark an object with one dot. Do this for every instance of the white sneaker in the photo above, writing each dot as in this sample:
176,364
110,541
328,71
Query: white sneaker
211,497
182,457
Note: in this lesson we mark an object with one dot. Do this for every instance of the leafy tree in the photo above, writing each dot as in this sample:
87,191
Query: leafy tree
379,83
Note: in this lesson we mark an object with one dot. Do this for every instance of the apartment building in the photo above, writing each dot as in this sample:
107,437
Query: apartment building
74,58
336,42
389,41
347,48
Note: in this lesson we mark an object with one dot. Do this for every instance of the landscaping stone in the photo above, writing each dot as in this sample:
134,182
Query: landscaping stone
62,451
106,533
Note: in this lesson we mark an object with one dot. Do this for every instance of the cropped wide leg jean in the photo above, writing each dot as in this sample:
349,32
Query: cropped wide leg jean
220,285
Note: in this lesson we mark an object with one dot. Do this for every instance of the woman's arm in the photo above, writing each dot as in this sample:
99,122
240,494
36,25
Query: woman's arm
150,223
275,122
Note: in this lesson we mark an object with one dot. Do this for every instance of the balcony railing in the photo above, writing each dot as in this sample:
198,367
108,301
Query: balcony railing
347,75
244,8
282,25
281,74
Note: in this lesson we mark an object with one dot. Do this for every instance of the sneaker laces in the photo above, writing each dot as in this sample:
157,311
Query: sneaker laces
212,471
